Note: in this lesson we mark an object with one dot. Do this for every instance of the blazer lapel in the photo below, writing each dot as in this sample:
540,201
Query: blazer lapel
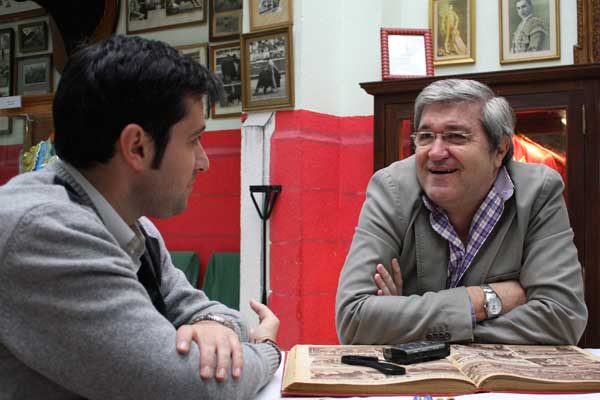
480,267
431,254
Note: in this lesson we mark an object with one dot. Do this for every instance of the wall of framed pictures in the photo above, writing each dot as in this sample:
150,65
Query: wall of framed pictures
25,51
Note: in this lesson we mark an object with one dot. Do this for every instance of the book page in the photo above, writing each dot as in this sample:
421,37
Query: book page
318,369
554,364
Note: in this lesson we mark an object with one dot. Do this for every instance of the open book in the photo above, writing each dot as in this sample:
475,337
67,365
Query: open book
317,370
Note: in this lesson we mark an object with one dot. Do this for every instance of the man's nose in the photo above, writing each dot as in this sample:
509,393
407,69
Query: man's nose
202,161
439,147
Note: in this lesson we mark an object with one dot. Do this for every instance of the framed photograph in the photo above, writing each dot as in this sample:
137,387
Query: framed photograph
452,24
529,30
33,37
225,20
5,125
225,63
406,53
153,15
34,75
199,53
268,74
7,56
269,14
12,10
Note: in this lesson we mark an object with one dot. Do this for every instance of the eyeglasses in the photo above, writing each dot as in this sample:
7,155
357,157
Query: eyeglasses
424,139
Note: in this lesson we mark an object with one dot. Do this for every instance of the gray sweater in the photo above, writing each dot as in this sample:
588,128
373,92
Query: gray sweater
75,322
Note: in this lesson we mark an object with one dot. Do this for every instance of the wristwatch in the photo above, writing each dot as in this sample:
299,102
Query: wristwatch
216,318
492,303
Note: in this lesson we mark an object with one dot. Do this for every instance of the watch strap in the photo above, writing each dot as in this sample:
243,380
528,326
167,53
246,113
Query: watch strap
215,318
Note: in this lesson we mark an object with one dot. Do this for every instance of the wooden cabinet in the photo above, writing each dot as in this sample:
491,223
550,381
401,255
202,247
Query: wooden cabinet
558,107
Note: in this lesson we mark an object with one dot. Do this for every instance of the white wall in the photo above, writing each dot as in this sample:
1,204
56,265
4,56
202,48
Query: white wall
337,47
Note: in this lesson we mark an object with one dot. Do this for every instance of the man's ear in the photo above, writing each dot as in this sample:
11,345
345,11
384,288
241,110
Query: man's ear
502,149
135,147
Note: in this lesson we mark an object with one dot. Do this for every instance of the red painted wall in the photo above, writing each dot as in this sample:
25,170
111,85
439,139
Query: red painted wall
9,162
211,222
323,163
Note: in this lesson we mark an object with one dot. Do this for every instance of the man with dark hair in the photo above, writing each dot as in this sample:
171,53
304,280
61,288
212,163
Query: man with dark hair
90,304
459,242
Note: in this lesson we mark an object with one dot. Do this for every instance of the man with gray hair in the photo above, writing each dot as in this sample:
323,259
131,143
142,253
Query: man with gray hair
459,242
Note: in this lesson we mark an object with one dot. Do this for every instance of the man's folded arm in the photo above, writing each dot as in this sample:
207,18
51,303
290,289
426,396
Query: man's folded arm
555,312
88,325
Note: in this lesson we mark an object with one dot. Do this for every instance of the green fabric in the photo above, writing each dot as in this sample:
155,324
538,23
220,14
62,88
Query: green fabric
222,279
188,262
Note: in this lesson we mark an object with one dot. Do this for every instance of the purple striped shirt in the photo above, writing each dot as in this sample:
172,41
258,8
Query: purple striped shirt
487,216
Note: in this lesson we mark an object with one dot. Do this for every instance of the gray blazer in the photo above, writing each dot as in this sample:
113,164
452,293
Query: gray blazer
532,242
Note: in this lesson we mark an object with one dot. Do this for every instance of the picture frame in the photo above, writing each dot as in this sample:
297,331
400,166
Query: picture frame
268,65
34,75
452,24
33,37
154,15
270,14
7,57
225,20
199,53
225,62
529,30
15,10
406,53
5,125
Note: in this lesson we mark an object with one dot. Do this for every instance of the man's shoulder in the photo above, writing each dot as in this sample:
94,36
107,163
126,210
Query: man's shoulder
35,194
529,178
399,180
402,173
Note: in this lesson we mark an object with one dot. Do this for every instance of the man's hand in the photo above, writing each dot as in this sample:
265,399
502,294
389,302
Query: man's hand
213,339
511,294
386,285
268,323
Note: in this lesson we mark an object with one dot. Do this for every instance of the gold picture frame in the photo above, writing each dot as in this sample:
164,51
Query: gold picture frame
452,24
269,14
529,30
268,66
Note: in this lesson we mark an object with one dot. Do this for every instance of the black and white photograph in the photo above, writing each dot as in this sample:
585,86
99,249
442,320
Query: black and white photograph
267,70
529,30
225,20
226,64
33,37
12,10
154,15
6,62
34,75
137,10
184,6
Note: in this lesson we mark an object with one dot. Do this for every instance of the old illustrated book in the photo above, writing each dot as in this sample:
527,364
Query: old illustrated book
317,370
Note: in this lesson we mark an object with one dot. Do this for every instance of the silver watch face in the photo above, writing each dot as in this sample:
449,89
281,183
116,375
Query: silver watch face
494,306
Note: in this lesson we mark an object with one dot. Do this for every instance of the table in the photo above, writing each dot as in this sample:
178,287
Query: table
272,391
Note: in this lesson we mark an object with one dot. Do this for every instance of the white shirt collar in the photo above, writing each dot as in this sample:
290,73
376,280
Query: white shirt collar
129,238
